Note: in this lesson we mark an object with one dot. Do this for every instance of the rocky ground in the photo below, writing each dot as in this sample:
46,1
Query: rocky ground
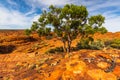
24,59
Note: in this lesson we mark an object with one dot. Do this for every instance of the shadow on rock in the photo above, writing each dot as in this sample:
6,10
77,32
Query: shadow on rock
7,49
30,39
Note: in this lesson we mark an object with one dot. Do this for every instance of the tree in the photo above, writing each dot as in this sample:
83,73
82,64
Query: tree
68,22
96,22
43,31
39,27
34,26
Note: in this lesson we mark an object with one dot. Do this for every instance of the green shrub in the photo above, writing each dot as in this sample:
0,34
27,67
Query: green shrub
28,32
97,45
55,50
51,51
115,46
83,44
88,44
115,43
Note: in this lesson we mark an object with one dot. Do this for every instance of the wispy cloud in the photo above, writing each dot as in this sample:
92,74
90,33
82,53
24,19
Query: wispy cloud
11,2
44,3
9,18
106,8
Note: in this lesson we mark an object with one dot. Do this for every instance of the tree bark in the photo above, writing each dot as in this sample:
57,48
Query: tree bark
69,44
64,46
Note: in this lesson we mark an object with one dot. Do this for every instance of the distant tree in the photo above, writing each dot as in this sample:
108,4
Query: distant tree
68,22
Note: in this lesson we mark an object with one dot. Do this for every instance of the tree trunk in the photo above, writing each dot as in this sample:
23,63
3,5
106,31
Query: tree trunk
69,44
69,47
64,46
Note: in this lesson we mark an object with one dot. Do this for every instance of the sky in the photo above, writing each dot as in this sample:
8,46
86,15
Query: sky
19,14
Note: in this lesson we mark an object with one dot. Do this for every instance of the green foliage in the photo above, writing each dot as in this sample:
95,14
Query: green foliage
88,43
96,21
47,31
84,43
115,46
68,22
97,45
28,32
34,26
41,32
115,43
102,30
55,50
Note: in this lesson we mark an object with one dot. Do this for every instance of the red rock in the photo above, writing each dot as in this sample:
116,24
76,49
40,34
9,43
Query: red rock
97,74
117,71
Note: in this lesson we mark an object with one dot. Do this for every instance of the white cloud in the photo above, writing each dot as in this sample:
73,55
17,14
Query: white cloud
46,3
30,12
113,24
36,18
13,19
10,18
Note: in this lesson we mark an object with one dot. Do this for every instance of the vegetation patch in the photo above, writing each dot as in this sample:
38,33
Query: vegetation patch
115,43
90,44
67,23
55,50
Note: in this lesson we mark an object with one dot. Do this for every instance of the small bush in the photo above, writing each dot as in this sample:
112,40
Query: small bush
115,46
87,44
51,51
28,32
115,43
83,44
56,50
97,45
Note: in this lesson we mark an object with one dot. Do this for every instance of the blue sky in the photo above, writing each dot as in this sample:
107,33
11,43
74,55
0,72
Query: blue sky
19,14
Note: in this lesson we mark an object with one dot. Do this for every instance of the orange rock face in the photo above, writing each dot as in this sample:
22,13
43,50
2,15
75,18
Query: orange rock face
117,71
98,74
22,58
103,65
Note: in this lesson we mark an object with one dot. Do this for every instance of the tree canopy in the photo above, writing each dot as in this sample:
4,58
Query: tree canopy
68,22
